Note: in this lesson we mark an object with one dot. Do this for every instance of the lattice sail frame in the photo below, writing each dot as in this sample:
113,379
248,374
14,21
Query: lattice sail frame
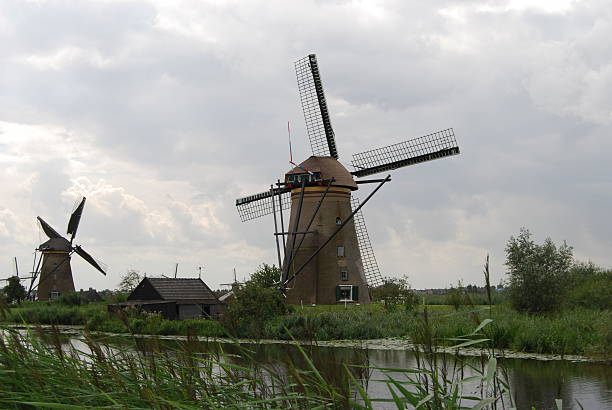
429,147
368,258
258,205
314,106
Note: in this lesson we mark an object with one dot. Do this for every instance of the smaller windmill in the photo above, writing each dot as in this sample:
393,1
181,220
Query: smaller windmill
15,272
55,273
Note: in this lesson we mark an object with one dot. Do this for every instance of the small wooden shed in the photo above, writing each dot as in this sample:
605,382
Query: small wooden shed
175,298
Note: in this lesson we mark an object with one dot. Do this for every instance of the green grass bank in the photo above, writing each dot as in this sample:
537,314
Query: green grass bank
574,331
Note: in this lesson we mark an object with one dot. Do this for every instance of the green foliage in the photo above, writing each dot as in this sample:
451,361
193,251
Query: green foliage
576,331
395,292
265,276
538,274
14,290
351,324
255,303
251,306
153,324
591,287
48,314
458,297
70,299
119,297
43,373
474,298
579,331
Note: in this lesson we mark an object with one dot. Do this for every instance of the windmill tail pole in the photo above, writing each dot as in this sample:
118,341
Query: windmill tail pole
297,224
280,206
310,223
35,273
276,226
315,253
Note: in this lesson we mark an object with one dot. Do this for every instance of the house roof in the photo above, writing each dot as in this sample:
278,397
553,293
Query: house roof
181,289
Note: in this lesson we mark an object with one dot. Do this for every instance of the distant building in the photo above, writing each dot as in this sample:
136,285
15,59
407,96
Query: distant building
173,298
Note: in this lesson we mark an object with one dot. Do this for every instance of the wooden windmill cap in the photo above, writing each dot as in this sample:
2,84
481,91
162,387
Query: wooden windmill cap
56,244
329,167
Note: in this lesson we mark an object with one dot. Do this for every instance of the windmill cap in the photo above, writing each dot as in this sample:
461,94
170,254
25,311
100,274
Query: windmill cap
329,167
56,244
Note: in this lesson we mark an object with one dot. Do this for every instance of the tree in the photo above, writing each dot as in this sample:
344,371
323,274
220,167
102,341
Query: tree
129,281
14,290
591,287
266,275
256,302
538,275
457,296
395,292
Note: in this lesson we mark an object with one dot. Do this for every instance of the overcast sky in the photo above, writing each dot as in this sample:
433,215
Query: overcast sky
163,112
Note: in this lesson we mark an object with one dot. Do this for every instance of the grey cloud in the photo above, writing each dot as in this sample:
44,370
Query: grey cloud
191,101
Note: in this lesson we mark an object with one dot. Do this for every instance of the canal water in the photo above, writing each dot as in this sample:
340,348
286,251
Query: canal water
533,383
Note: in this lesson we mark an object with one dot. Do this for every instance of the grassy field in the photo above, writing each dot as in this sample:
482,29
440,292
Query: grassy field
575,331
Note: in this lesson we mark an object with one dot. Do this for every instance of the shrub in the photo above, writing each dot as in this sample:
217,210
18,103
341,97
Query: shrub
457,297
70,299
48,314
395,292
255,303
591,287
538,274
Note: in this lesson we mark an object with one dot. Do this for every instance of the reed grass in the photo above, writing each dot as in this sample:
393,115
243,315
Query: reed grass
48,374
577,331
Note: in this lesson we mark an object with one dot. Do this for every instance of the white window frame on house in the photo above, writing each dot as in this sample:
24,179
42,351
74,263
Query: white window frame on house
350,296
340,251
344,275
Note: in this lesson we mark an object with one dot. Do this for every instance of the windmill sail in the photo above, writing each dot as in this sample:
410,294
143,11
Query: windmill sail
75,218
258,205
368,258
47,229
89,259
316,114
427,148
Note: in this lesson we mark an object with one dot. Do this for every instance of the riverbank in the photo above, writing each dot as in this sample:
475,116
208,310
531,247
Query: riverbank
391,343
578,332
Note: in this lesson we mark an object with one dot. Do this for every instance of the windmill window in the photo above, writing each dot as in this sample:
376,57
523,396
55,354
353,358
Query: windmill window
340,251
347,293
344,292
338,220
54,295
344,275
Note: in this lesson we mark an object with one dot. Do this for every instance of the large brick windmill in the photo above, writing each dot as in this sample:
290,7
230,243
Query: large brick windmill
55,273
328,258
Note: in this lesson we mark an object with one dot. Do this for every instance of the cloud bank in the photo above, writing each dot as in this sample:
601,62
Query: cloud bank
162,113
